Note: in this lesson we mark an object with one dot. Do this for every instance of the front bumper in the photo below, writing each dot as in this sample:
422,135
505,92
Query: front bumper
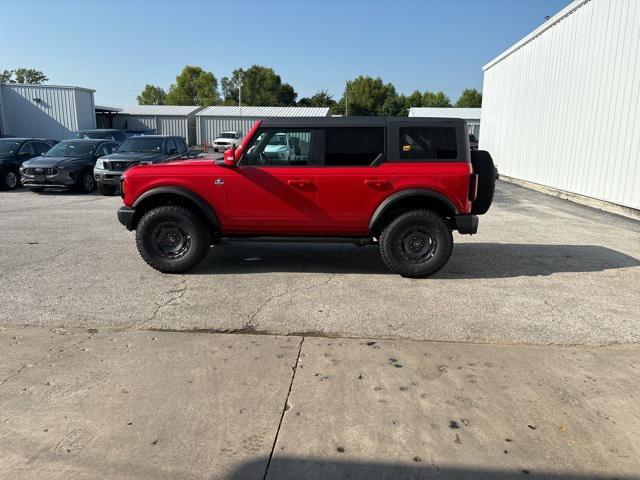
467,224
63,180
107,177
126,216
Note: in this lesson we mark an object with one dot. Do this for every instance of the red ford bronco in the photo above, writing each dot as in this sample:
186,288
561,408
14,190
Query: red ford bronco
402,183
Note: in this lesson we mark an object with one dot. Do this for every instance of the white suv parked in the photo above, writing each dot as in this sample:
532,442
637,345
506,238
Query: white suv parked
227,140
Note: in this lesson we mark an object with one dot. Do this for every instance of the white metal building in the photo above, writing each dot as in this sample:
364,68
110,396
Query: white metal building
45,111
165,119
471,115
561,107
213,120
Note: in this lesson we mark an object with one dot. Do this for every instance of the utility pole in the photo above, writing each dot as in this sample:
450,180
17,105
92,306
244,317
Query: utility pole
240,94
346,101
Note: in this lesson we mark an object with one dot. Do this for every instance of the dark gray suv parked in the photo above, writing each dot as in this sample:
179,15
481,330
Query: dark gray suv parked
134,150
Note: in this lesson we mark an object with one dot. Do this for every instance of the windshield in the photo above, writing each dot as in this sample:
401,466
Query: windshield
279,139
8,148
92,135
71,149
227,135
141,145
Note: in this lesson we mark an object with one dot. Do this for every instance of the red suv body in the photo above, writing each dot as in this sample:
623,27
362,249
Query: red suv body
326,179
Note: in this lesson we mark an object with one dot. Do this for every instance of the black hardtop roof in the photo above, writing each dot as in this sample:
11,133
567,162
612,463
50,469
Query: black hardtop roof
23,139
354,121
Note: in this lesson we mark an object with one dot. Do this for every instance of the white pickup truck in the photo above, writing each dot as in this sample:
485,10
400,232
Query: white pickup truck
226,140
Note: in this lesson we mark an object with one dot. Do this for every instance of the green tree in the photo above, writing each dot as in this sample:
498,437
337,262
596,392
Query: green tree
470,98
438,99
194,86
152,95
260,86
23,75
367,96
321,98
414,100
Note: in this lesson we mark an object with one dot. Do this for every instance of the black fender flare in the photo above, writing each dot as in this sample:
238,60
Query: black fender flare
410,192
202,205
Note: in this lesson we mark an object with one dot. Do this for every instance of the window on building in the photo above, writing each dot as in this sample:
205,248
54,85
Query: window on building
428,143
353,146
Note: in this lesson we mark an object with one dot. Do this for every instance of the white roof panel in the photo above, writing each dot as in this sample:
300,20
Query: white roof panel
446,112
160,109
235,111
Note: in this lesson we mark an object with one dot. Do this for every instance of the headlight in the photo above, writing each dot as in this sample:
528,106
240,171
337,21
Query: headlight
61,167
100,163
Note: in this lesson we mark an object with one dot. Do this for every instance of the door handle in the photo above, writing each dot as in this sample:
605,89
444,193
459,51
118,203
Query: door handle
299,183
374,182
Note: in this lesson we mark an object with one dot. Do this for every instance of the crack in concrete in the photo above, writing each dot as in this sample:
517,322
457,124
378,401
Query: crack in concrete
285,407
35,262
180,289
254,314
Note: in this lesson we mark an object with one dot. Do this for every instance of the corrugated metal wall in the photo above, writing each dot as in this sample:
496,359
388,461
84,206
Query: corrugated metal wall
135,122
563,109
208,128
55,116
180,125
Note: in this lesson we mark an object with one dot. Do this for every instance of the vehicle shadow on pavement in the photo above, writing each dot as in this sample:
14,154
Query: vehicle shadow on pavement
317,469
468,261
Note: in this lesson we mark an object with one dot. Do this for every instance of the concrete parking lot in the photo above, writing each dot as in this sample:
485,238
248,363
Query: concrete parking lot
540,271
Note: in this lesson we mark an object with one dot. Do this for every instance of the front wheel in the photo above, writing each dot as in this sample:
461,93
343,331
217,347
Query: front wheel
86,183
172,239
416,243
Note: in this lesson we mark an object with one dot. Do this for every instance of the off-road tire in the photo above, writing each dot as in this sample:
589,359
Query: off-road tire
407,231
107,190
7,183
181,222
483,167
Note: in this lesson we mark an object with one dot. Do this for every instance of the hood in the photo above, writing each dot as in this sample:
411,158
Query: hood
133,157
56,161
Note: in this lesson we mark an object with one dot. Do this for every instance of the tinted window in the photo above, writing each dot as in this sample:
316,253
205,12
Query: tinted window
28,149
119,136
428,143
356,146
141,145
8,147
280,148
182,146
41,147
105,149
171,146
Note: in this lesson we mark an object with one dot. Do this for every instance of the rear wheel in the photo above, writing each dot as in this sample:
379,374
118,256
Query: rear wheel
10,179
106,189
172,239
416,244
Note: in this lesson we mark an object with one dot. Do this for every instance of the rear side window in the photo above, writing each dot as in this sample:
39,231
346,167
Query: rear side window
353,146
428,143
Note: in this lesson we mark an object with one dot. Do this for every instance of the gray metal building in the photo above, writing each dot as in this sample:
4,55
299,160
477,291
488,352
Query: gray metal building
213,120
46,111
471,115
165,119
561,107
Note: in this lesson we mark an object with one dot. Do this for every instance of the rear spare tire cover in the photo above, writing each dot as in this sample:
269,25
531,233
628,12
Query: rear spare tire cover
484,168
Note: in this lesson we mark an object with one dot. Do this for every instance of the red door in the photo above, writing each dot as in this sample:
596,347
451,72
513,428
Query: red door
274,189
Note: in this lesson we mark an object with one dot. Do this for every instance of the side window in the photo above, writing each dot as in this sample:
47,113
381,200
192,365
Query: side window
182,146
171,145
428,143
104,149
41,147
28,149
273,147
119,136
353,146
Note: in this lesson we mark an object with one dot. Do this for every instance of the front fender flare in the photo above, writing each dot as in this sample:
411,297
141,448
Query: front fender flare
202,205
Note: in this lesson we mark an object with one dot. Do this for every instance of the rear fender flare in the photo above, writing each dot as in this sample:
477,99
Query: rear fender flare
388,202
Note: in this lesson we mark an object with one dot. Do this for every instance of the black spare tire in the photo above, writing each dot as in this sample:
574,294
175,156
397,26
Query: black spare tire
486,171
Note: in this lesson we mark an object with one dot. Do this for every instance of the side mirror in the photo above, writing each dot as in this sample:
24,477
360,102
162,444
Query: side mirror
230,157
